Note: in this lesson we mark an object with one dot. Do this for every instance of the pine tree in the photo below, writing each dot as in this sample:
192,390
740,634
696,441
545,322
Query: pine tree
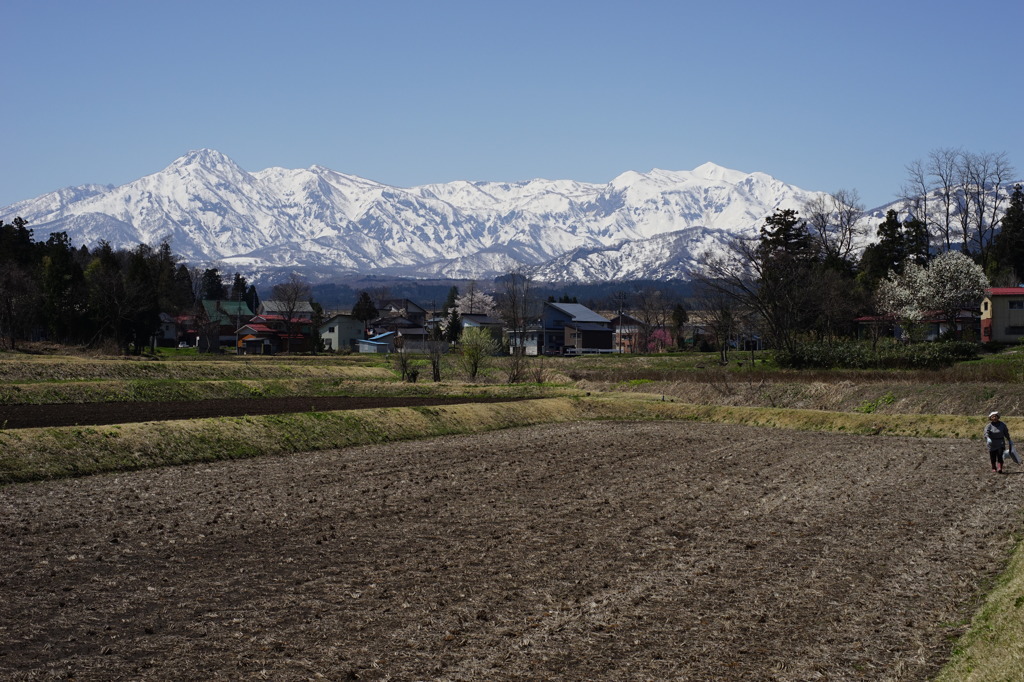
449,302
213,286
888,253
364,310
915,240
1008,250
784,232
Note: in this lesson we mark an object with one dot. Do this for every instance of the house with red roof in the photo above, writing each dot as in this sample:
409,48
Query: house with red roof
269,334
1002,315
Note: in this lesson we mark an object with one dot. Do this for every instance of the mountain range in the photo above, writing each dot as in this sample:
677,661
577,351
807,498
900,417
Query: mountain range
330,225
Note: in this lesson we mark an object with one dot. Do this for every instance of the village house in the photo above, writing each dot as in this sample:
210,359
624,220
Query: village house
626,333
406,320
491,324
564,329
1002,315
269,334
299,310
342,332
217,323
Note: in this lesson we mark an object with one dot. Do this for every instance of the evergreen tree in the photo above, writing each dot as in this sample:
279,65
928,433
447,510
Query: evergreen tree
449,302
239,286
213,288
19,289
142,304
887,254
16,245
915,241
63,286
784,232
1008,250
452,326
252,299
107,295
163,266
181,296
364,310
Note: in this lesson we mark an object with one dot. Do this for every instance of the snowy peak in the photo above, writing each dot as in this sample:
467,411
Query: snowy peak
207,158
711,171
638,225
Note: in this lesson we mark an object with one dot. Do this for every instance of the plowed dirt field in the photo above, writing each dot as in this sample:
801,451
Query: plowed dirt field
598,551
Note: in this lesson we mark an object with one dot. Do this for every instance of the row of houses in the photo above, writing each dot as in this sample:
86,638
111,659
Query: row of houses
561,329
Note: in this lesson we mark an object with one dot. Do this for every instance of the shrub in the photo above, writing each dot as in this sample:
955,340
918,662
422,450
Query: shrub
858,355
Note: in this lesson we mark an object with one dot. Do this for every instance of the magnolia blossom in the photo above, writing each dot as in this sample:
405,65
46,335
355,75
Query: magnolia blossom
949,283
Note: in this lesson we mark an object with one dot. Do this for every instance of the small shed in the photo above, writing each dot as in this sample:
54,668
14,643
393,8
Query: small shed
382,343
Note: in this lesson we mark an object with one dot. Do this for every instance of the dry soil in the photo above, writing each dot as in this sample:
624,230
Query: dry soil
597,551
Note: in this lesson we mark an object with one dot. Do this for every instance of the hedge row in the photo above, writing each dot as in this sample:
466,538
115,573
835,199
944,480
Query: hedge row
860,355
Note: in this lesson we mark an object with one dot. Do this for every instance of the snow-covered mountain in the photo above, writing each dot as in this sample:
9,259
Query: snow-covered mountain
638,226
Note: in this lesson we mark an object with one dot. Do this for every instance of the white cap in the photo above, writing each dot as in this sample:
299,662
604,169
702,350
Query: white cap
993,414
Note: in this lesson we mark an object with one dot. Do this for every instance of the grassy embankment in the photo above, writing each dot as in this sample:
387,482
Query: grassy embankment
949,403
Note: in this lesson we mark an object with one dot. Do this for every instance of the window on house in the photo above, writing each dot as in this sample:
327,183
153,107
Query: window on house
984,307
330,330
1017,305
1016,331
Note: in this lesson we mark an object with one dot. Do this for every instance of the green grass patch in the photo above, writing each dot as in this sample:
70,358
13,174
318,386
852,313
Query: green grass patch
991,650
34,454
38,454
869,406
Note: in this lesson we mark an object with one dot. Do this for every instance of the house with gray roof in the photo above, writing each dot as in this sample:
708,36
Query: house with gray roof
565,329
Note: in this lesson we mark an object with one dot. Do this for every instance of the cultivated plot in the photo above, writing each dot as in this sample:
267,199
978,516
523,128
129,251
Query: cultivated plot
607,550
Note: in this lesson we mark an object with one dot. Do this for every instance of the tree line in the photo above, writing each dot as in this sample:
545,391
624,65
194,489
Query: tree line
100,296
802,280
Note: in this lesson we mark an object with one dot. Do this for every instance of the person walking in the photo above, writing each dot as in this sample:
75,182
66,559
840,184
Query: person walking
997,436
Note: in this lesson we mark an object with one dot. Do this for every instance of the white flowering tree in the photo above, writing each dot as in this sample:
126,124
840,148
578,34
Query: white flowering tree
475,302
948,284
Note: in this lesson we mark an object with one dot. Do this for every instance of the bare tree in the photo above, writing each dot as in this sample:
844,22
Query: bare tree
517,305
290,294
982,179
772,286
653,311
720,317
942,167
515,365
833,219
437,346
960,196
402,361
914,193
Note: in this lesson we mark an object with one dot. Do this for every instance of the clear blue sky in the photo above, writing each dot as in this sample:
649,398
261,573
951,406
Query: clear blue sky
823,95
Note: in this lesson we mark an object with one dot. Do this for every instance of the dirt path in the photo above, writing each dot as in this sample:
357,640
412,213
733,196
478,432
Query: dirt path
607,551
82,414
